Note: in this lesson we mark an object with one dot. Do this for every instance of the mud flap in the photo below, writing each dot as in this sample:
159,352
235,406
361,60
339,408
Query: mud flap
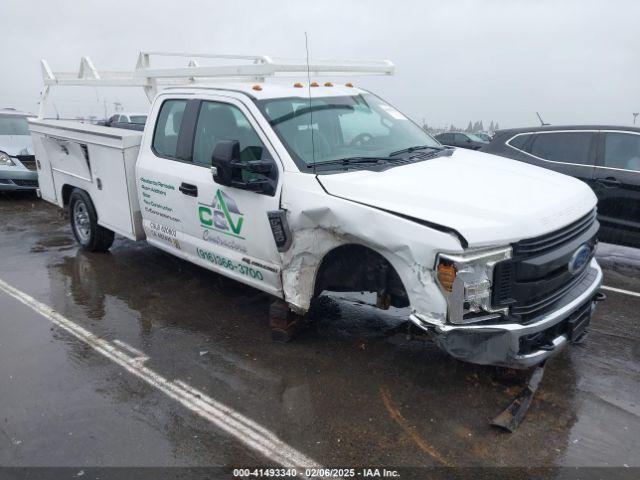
511,418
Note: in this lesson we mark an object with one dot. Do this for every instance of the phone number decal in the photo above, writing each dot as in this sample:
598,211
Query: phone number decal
230,264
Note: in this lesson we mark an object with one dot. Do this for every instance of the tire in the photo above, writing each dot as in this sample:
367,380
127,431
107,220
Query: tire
84,223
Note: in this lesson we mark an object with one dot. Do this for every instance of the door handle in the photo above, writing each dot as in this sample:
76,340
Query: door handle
609,181
189,189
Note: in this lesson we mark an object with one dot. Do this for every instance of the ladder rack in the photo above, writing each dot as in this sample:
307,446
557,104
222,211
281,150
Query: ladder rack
240,67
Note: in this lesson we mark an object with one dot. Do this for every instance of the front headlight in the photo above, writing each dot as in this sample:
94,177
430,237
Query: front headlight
466,281
5,160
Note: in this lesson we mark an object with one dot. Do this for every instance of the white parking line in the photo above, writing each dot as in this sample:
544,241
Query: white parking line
234,423
620,290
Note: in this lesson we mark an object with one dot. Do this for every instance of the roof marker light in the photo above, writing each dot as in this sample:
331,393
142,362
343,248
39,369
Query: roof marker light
257,87
314,84
328,84
297,85
348,84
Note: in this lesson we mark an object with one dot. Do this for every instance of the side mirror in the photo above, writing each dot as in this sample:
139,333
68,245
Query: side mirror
228,170
224,154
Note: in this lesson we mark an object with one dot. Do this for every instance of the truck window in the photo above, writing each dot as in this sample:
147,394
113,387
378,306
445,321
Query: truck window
622,150
140,119
222,121
565,147
165,137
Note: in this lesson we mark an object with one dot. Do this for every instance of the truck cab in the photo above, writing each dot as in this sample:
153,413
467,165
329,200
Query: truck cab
300,188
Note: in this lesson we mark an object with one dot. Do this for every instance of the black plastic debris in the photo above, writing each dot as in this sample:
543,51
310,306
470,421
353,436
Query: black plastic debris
513,415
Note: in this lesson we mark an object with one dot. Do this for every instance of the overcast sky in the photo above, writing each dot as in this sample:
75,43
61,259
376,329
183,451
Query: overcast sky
574,61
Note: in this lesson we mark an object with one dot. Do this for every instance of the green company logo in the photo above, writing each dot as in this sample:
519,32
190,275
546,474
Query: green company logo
222,215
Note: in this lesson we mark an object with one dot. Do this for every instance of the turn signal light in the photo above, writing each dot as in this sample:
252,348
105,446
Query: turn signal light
446,276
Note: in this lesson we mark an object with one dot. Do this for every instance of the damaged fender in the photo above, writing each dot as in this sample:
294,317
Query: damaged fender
408,246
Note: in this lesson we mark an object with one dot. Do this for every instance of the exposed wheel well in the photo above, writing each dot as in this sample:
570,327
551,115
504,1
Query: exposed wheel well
356,268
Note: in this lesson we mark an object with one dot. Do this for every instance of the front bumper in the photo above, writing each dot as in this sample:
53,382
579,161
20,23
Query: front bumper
509,344
12,179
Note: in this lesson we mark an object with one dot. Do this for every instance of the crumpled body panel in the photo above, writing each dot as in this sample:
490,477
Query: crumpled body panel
409,247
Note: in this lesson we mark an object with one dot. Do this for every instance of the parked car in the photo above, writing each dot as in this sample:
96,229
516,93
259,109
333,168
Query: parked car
131,121
483,136
462,140
17,162
341,192
605,157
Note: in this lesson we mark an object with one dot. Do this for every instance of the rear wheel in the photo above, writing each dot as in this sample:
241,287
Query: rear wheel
84,223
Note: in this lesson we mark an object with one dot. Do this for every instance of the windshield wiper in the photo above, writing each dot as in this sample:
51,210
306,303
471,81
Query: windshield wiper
413,149
350,161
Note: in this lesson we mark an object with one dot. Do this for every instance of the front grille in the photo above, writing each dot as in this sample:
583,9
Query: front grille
25,183
555,239
584,279
28,161
538,275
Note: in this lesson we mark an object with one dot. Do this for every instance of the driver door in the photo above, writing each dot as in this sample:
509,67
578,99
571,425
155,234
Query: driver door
226,229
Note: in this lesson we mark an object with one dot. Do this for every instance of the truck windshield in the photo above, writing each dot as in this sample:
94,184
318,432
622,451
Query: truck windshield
13,125
344,127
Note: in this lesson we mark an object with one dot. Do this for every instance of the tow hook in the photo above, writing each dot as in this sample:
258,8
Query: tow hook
599,297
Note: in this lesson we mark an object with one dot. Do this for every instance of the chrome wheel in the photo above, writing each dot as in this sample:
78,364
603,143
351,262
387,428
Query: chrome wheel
81,221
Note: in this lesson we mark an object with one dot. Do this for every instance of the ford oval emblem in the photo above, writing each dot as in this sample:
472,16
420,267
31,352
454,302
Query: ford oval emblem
579,259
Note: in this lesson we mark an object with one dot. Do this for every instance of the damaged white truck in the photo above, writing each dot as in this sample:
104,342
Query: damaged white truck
299,187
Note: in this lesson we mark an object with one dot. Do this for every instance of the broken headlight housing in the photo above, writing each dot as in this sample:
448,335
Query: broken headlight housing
466,281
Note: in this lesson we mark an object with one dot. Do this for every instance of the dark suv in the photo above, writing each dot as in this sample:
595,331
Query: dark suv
607,158
462,140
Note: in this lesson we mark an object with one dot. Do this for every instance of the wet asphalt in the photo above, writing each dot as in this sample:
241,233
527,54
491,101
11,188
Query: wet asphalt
346,392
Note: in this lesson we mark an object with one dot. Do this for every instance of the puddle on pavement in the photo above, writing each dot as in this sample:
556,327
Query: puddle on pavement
61,243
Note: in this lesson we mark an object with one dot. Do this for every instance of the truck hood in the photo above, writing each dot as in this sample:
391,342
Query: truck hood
16,145
488,199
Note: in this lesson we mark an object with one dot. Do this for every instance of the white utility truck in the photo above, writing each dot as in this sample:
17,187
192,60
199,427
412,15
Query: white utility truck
297,187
